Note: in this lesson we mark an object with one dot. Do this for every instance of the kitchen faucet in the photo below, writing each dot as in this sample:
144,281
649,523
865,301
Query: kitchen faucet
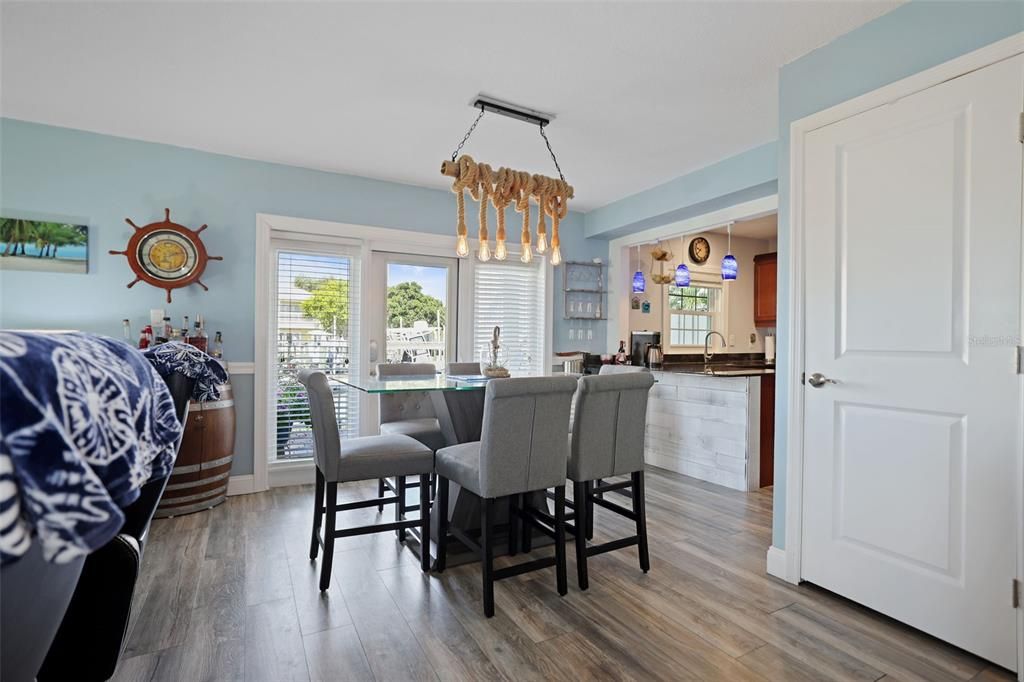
708,354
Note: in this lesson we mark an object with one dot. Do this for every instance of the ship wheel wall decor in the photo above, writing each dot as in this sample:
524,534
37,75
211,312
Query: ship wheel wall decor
166,255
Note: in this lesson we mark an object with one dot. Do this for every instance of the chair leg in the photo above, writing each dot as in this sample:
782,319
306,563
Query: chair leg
329,529
578,495
527,536
318,503
425,522
588,495
640,509
487,550
380,493
560,540
513,525
441,508
399,514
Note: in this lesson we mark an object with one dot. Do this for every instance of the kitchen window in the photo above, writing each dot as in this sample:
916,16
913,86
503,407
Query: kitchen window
692,312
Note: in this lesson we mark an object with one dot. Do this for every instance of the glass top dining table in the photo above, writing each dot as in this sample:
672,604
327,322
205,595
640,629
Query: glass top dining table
401,384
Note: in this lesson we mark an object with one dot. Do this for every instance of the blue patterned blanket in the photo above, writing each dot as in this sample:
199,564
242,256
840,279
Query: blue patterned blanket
182,358
86,422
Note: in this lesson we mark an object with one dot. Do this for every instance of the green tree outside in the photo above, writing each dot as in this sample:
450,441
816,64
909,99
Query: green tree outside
407,304
328,304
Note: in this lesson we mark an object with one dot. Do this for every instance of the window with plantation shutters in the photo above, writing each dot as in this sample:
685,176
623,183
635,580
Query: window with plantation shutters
511,295
316,325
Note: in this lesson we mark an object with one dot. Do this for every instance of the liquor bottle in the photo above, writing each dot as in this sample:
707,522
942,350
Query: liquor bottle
199,339
167,332
218,346
146,337
620,357
127,330
184,329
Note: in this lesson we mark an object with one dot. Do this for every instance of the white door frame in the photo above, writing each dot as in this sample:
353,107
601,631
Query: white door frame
785,563
370,239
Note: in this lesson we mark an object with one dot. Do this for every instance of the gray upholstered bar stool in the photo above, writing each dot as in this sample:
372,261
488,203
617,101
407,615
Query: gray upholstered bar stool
522,449
464,368
360,459
608,440
605,370
409,413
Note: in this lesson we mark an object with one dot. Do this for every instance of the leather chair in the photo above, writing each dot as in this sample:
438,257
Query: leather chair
464,368
522,449
359,459
94,629
409,413
607,441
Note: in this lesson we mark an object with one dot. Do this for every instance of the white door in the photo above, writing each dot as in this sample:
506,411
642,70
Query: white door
315,324
913,299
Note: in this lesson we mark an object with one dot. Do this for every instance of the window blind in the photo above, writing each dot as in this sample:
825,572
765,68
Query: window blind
510,295
316,326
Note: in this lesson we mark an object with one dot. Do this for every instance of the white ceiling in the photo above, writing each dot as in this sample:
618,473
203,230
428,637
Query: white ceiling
643,92
765,227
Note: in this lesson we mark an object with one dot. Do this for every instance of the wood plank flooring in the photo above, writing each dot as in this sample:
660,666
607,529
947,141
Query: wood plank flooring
230,594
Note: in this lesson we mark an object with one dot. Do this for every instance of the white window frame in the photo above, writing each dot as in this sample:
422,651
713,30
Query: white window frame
369,239
719,319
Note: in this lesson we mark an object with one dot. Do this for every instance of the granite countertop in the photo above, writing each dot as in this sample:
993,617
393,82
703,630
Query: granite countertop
720,368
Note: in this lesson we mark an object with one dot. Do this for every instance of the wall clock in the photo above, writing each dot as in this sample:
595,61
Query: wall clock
700,250
166,255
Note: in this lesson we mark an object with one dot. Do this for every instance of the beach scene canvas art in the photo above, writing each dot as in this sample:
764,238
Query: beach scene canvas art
41,246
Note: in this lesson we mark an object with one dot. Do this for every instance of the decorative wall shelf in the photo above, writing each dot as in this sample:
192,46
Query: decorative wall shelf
583,284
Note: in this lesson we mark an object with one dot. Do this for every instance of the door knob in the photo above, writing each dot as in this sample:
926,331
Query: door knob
817,380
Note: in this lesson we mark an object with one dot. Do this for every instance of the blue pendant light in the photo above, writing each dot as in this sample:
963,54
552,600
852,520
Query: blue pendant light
730,268
682,275
682,272
639,283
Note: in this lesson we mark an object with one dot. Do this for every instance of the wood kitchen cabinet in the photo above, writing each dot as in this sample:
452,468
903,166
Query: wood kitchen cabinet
767,427
765,289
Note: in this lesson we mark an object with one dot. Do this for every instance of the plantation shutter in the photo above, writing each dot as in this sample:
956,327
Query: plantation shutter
510,294
316,326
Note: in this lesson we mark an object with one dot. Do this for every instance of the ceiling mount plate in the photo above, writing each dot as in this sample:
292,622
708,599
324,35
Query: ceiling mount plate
520,113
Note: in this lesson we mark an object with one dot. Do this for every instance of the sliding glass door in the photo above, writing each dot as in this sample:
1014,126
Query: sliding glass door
315,324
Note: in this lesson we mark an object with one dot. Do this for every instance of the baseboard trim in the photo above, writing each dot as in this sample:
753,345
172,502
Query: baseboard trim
291,473
241,485
777,563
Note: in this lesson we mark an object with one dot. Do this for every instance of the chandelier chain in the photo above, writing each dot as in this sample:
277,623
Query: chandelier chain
552,152
468,133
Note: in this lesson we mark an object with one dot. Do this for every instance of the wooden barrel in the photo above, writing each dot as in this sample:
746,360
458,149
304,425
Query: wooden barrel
200,476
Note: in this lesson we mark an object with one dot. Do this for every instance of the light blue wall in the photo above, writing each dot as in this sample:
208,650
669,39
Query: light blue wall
98,180
910,39
744,177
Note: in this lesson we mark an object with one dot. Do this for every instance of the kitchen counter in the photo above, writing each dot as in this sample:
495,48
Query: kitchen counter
719,369
706,424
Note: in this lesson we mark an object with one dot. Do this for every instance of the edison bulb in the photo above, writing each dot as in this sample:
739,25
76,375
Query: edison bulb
556,255
500,252
484,252
527,254
462,246
542,243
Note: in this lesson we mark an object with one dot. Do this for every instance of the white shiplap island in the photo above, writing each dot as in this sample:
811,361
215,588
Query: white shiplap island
706,426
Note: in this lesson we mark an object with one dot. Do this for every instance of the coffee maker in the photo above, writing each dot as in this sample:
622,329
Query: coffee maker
639,342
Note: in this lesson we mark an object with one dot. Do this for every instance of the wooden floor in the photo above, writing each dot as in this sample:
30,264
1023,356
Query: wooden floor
231,594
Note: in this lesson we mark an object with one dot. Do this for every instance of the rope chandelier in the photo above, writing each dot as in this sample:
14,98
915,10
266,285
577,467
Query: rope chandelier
504,188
